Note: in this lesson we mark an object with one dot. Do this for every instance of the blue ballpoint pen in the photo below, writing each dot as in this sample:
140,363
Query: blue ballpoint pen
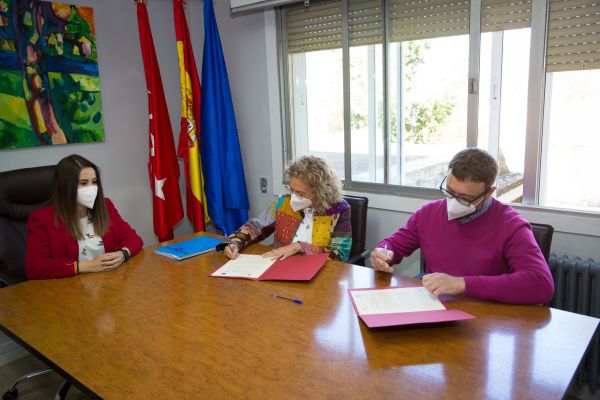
297,301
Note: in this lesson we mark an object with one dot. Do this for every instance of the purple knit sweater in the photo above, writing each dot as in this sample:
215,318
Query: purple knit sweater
496,252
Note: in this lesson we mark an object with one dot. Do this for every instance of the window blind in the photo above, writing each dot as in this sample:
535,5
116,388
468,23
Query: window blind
426,19
316,27
573,35
319,27
502,15
365,22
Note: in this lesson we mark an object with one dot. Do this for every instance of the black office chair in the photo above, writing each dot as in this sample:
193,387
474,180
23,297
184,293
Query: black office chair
359,206
543,236
21,192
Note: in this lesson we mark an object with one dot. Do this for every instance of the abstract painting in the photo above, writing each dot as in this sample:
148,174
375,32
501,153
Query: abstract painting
49,82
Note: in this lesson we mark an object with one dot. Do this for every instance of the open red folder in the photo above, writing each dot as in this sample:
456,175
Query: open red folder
424,310
294,268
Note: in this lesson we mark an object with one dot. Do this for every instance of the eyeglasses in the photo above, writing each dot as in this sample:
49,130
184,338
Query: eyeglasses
300,194
465,202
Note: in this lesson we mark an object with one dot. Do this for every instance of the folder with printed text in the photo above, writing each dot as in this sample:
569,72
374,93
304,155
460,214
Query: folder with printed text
188,248
401,305
255,267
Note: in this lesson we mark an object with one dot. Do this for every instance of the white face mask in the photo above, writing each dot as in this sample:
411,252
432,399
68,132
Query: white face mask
86,196
299,203
457,210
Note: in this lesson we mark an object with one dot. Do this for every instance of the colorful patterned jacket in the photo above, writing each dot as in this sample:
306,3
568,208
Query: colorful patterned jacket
332,231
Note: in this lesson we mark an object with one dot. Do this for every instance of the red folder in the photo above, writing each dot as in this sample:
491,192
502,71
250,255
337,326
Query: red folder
408,318
294,268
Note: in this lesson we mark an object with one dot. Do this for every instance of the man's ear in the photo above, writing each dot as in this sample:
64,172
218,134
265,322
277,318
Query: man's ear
491,192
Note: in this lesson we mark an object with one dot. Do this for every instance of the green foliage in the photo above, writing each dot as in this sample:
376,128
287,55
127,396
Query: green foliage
413,57
358,121
423,121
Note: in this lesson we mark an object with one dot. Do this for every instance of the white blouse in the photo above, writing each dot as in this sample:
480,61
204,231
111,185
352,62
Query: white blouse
91,246
304,231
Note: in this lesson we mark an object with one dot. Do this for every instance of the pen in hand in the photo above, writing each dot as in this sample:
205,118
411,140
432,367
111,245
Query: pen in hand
387,254
297,301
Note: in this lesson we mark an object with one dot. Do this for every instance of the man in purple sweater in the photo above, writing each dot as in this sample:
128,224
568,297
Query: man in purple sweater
472,244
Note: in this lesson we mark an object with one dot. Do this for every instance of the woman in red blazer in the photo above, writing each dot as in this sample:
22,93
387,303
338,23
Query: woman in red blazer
80,231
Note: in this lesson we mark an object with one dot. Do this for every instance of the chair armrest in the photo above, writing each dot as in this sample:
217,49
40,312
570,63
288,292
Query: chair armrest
357,258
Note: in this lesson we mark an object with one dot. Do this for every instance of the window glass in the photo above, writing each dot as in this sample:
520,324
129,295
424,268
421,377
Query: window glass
571,141
318,106
504,74
428,108
366,116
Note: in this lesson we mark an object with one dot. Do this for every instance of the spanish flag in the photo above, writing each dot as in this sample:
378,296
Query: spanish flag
189,136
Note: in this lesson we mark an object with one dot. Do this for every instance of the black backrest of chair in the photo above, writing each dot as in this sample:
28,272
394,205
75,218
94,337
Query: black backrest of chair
359,206
21,192
543,236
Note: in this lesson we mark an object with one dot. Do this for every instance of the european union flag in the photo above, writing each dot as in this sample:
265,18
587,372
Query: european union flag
225,185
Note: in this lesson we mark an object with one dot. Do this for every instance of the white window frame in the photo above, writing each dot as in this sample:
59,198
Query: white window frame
408,200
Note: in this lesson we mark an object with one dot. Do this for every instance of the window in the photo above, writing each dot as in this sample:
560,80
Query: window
429,67
503,86
388,91
569,172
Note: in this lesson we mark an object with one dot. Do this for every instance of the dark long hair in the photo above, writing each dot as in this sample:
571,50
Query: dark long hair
64,196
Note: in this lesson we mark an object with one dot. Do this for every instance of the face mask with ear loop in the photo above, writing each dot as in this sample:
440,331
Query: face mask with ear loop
457,210
299,203
86,196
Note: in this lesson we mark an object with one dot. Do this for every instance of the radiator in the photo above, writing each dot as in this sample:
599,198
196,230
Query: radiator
577,289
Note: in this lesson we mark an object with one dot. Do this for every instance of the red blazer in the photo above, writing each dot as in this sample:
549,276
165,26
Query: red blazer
51,252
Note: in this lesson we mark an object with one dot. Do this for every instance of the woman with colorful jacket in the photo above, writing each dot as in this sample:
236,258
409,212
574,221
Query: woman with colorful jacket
80,231
313,219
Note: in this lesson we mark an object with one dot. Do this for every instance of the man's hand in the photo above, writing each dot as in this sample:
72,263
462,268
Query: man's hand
438,283
380,259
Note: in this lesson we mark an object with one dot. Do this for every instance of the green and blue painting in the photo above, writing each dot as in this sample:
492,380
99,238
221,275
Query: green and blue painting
49,83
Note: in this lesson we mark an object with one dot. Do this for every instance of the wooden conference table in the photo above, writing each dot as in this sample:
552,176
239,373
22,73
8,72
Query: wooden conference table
161,329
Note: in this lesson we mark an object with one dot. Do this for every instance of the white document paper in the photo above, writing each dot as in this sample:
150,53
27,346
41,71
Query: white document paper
246,265
395,300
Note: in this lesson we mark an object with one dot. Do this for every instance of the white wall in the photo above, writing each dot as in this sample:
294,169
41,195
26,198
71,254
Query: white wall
248,43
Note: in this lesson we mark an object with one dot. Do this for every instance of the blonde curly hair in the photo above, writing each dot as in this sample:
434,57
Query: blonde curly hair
315,172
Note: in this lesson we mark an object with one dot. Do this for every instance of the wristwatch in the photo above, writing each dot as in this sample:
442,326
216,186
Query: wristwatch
125,255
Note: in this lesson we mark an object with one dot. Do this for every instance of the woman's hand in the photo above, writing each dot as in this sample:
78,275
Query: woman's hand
103,263
281,253
380,259
232,251
110,261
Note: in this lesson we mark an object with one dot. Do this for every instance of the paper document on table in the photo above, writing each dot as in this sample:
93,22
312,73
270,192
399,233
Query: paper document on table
396,300
246,265
294,268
